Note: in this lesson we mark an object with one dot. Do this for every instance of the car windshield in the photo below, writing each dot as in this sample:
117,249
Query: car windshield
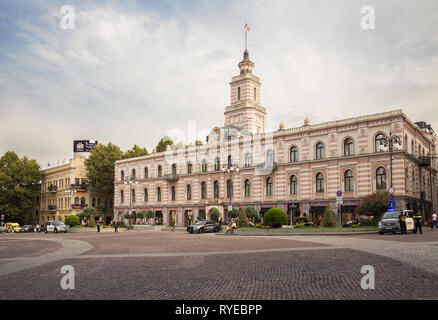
199,223
58,223
391,215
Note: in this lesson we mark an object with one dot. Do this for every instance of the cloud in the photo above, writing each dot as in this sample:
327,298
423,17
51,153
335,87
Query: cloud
129,73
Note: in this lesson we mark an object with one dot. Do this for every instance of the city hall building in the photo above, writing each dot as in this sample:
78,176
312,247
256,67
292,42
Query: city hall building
299,170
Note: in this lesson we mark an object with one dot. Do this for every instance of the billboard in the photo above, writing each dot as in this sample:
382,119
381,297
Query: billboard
83,145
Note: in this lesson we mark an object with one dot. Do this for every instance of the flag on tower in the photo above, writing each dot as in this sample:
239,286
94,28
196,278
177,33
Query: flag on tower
48,164
246,27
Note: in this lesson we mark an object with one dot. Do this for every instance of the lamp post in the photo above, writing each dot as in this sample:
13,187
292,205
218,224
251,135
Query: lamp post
70,192
131,181
389,144
230,168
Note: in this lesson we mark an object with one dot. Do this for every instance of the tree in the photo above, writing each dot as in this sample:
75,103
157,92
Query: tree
163,143
243,219
87,213
275,218
19,187
233,213
100,167
251,213
72,220
150,214
374,205
141,215
214,214
136,151
328,219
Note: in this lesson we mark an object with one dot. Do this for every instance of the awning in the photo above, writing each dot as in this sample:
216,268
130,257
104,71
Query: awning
348,208
317,209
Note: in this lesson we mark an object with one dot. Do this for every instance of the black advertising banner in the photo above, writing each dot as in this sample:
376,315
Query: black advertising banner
83,145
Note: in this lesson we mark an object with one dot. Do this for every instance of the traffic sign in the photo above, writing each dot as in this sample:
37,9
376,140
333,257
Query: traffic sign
391,190
339,193
391,204
3,222
3,217
391,197
339,200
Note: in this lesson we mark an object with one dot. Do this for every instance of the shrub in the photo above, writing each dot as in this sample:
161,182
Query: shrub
275,218
121,224
234,213
150,214
72,220
368,222
251,213
328,219
214,214
243,219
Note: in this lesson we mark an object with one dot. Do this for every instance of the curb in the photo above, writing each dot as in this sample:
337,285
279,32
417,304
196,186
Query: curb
291,234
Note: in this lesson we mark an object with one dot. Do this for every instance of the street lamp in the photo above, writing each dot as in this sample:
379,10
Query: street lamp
389,144
131,181
70,192
230,168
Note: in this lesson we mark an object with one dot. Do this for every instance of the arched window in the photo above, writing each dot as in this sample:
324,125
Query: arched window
247,188
173,195
293,154
93,202
174,168
405,143
407,180
255,93
412,147
122,198
229,188
320,151
230,162
319,183
414,187
145,195
293,184
238,93
133,195
133,175
146,172
216,190
204,165
122,175
348,147
247,160
82,201
189,168
348,181
158,194
160,171
217,164
380,140
270,158
189,192
381,178
269,186
203,190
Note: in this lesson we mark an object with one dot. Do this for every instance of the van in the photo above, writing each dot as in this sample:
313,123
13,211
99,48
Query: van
15,226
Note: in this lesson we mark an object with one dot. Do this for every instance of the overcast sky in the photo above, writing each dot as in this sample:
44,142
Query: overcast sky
132,70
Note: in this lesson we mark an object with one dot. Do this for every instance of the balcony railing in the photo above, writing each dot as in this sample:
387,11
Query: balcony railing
77,206
170,177
82,186
52,188
51,207
424,161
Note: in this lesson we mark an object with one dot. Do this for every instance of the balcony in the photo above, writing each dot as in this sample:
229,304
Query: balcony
77,206
51,207
79,187
424,161
171,177
52,188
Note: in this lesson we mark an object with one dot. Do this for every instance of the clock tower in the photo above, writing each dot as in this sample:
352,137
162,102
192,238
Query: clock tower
245,110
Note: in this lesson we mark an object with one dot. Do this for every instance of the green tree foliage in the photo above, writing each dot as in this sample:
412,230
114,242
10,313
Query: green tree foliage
100,167
214,214
374,205
233,213
243,219
88,214
72,220
136,151
163,143
328,219
150,214
275,218
251,213
19,187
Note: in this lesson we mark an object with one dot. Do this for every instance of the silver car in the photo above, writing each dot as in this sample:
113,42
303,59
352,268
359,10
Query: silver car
55,226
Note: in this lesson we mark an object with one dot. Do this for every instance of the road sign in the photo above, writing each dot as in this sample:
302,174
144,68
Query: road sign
391,197
391,190
3,222
339,193
229,203
391,204
3,217
230,207
339,200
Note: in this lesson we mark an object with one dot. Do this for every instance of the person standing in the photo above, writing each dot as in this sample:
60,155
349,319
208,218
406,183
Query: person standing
433,220
417,220
402,219
115,226
98,226
173,222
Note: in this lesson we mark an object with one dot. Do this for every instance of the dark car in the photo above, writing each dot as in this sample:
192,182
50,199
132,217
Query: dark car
27,228
390,222
204,226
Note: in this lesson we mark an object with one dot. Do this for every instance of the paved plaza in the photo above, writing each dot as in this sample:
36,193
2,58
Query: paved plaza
165,265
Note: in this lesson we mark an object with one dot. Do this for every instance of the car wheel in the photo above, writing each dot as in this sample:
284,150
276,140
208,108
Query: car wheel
381,232
56,230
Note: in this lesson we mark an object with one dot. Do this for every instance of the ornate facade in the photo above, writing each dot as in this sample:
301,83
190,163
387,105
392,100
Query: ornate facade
299,169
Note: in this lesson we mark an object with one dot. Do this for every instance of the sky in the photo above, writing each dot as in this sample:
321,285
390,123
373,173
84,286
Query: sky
130,72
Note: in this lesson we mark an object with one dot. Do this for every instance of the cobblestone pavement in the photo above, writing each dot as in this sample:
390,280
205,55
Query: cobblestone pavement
164,265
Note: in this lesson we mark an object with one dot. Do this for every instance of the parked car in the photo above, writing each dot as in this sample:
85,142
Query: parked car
390,222
55,226
27,228
15,226
3,229
204,226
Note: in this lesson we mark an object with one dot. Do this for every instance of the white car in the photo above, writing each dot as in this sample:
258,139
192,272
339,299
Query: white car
55,226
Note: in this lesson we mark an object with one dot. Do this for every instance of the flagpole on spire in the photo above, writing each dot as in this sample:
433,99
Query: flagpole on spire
246,28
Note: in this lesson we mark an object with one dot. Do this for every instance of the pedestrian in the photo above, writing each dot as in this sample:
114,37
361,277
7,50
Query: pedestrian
173,222
115,224
98,226
229,228
433,220
417,220
37,228
402,219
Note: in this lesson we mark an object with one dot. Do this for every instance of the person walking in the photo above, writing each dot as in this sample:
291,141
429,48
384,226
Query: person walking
417,220
173,222
402,219
98,225
433,221
115,224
